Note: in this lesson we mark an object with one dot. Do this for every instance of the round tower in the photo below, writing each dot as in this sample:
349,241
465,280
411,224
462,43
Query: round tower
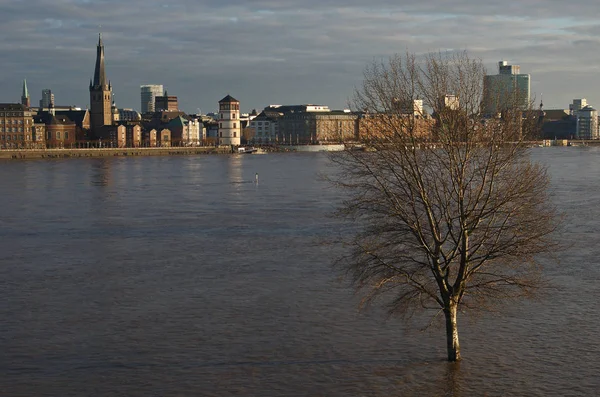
229,121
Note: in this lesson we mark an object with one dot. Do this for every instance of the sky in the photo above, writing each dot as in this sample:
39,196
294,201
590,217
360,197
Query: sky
266,52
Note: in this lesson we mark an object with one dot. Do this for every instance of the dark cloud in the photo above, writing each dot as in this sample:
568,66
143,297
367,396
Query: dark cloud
269,51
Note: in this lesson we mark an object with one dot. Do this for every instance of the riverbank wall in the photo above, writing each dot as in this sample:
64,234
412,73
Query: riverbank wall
110,152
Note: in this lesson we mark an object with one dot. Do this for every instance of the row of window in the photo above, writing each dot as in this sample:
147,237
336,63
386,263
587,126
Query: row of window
58,135
234,125
8,114
12,129
234,134
14,137
233,116
13,121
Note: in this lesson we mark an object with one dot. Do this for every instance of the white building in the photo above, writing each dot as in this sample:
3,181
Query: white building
148,94
229,121
265,127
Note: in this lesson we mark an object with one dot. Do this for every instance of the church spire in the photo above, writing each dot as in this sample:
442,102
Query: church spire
25,95
99,73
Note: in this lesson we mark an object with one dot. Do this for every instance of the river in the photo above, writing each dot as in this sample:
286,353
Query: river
181,276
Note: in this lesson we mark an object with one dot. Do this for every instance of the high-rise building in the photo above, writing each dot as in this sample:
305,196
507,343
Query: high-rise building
100,93
577,105
47,98
25,100
166,102
508,88
229,121
149,92
587,123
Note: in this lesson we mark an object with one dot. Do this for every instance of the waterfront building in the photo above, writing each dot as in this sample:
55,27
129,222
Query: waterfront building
25,100
60,131
16,124
229,123
100,96
47,98
265,127
186,131
306,124
81,118
508,88
587,123
148,94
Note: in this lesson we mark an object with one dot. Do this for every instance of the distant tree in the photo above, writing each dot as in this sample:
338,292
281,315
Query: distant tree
248,134
450,213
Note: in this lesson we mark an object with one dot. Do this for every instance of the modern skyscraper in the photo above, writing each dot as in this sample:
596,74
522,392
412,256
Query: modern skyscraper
149,93
25,100
506,89
587,123
47,98
100,93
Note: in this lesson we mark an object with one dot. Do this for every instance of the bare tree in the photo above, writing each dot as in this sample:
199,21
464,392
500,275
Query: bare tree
450,214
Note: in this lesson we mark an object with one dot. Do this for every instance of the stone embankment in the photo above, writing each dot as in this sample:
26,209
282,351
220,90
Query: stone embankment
110,152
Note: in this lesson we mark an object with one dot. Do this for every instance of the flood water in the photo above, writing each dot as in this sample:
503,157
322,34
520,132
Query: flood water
180,276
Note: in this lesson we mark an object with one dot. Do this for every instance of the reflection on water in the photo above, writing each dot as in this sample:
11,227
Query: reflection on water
180,276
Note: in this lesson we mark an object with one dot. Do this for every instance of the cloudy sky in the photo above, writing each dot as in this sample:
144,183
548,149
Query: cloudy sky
282,52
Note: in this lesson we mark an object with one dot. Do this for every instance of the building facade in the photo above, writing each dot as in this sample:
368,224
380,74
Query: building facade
100,95
16,126
148,94
229,121
507,89
166,103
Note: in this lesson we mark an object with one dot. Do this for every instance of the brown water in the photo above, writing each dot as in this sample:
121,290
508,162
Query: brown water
179,276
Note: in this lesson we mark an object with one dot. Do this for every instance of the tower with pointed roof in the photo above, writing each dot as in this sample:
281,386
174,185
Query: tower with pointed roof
25,100
100,93
229,121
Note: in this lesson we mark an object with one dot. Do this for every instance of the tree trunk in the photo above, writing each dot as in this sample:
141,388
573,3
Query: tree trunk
452,333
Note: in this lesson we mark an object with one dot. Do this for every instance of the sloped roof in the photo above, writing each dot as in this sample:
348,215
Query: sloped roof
48,118
229,98
177,122
76,116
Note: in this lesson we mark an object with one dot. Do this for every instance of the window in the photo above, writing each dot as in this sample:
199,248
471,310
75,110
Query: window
57,134
66,135
8,137
234,125
234,134
220,125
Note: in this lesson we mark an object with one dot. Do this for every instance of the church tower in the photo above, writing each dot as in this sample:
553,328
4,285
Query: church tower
100,94
25,100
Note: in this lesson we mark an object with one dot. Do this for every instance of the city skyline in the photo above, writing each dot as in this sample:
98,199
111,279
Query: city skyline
267,52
